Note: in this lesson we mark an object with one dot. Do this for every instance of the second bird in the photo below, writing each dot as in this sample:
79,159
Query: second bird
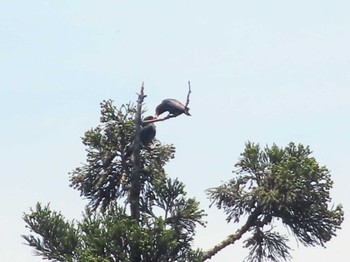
173,106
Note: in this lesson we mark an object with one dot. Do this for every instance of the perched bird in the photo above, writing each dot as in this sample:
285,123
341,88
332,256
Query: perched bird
148,131
173,106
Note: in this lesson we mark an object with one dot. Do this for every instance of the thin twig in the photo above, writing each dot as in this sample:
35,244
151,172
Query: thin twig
158,119
188,95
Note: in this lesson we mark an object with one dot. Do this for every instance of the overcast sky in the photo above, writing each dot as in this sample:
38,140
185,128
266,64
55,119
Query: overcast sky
263,71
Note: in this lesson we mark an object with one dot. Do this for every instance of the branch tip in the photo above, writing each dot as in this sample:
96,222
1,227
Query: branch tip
188,94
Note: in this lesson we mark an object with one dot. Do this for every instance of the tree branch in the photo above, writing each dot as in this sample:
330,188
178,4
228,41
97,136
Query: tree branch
232,238
188,94
159,119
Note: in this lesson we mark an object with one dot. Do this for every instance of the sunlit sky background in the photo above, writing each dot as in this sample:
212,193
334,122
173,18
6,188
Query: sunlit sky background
264,71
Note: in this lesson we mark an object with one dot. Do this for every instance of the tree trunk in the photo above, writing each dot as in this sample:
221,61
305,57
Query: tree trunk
134,197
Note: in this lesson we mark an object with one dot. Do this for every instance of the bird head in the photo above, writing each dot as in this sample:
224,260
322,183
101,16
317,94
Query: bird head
146,119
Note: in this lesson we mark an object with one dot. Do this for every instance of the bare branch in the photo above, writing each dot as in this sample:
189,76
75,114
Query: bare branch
188,95
141,95
158,119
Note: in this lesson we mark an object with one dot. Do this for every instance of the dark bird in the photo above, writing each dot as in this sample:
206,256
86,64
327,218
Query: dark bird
148,131
173,106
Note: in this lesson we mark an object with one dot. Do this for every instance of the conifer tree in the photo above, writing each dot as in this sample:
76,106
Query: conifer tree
136,212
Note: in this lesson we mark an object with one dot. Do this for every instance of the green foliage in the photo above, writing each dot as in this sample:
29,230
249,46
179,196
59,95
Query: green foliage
283,183
267,246
59,239
110,236
107,174
104,237
107,232
178,213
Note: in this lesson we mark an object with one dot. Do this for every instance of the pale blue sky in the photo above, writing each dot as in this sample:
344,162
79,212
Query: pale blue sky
264,71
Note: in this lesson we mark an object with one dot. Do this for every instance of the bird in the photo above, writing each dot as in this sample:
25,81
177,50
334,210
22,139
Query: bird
147,134
148,131
173,106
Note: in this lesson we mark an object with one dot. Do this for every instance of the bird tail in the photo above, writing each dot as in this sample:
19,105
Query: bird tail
186,111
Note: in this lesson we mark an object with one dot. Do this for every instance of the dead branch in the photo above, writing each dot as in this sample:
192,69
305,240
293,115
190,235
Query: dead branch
141,96
188,94
158,119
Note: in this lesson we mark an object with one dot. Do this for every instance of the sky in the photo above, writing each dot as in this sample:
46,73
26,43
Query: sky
261,71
